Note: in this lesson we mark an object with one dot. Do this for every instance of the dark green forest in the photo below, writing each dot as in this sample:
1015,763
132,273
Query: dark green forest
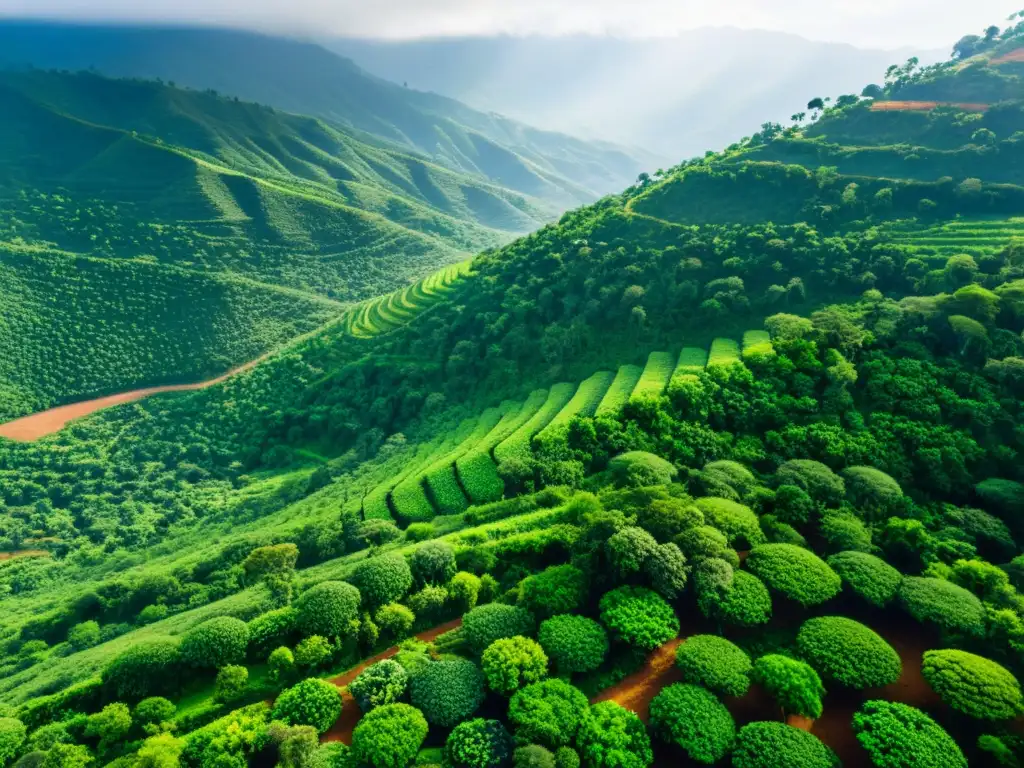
721,470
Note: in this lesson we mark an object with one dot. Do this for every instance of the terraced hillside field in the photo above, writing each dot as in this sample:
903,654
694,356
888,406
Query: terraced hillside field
976,237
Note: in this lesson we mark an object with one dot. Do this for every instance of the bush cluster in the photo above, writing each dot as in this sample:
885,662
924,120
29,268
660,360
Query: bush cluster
692,718
495,621
385,682
972,684
848,652
896,735
312,702
794,572
715,663
448,691
867,576
547,713
573,643
639,617
777,745
613,737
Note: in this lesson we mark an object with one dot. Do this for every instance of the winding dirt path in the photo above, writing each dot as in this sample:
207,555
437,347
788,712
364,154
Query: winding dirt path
636,691
37,425
350,712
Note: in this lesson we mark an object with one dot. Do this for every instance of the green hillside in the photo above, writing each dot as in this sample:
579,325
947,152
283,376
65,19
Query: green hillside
631,449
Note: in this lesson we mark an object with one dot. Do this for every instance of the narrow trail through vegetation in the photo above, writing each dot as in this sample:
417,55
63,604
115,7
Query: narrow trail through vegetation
636,691
350,712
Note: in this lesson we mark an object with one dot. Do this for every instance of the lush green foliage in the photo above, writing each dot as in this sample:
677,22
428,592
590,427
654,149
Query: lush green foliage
573,643
12,736
385,682
639,617
328,608
942,603
742,600
613,736
792,683
848,652
736,521
639,469
548,713
794,572
972,684
556,590
384,579
777,745
143,670
715,663
896,735
232,684
868,576
448,691
512,662
692,718
487,623
478,743
312,702
216,642
389,736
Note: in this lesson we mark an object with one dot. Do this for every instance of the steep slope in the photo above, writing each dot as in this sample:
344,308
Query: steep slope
678,96
307,79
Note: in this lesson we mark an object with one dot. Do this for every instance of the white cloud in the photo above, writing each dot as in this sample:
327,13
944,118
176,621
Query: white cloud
876,23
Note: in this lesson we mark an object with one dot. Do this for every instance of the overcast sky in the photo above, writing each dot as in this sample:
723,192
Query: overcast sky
875,23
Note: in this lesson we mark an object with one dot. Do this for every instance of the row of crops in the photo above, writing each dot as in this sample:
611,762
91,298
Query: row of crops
460,468
390,311
976,237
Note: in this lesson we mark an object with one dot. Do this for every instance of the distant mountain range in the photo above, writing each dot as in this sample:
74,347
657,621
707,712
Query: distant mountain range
308,79
676,96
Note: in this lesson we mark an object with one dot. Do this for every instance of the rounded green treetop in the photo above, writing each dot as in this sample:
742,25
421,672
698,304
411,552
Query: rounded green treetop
794,572
777,745
573,643
478,743
867,576
547,713
943,604
312,702
613,737
848,652
638,469
694,719
215,643
448,691
737,521
512,662
896,735
639,616
716,663
974,685
494,621
328,609
383,579
390,736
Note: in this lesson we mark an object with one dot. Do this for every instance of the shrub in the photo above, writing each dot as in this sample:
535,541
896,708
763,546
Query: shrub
311,702
942,603
794,572
153,711
495,621
692,718
464,589
666,517
730,473
871,491
215,642
715,663
567,757
843,531
972,684
639,617
312,652
777,745
478,743
848,652
429,603
792,683
666,571
1005,497
737,521
744,601
895,735
869,577
382,683
639,469
329,608
160,751
512,662
793,505
143,670
573,643
110,724
67,756
395,620
548,713
82,636
555,590
12,736
448,691
533,756
281,663
417,532
705,542
271,630
383,579
778,532
613,737
434,563
628,549
821,483
389,736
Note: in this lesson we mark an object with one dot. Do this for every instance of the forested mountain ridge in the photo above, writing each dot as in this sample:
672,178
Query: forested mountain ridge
837,502
307,79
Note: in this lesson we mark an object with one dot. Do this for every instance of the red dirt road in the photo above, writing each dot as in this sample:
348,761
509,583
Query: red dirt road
636,691
924,106
37,425
350,712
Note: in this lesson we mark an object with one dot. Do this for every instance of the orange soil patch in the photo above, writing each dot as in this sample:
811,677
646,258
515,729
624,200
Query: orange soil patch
637,690
1009,58
24,553
924,106
350,712
37,425
801,722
